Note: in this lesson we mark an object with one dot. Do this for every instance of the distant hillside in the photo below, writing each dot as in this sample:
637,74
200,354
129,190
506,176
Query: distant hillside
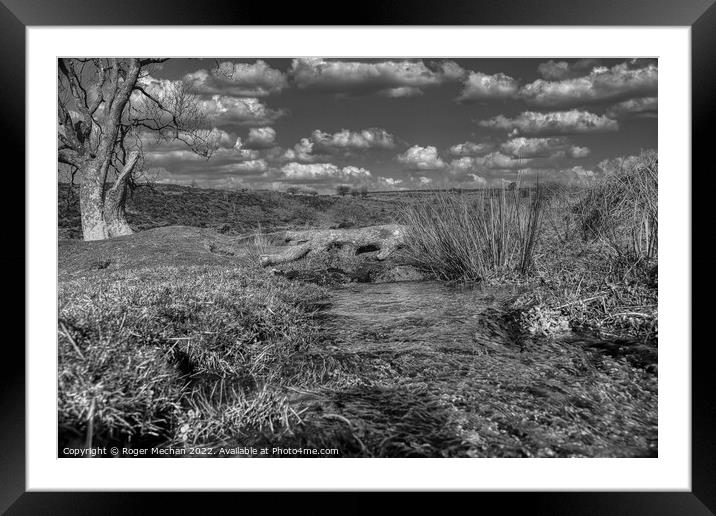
231,212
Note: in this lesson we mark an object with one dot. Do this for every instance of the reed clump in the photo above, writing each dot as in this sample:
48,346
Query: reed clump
473,236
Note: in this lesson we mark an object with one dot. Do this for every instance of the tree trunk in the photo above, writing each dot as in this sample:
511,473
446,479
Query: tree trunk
103,213
115,199
114,214
92,202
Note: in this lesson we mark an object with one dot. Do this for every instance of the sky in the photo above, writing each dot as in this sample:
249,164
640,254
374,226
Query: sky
397,123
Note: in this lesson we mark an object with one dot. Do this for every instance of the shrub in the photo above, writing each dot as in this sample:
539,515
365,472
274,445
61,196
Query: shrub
471,237
343,190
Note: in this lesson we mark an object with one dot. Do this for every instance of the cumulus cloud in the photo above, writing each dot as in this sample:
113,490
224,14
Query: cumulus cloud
254,166
477,180
421,158
499,160
161,155
403,91
493,161
242,154
450,70
247,154
313,171
581,172
578,152
355,172
302,152
464,164
601,84
220,138
373,138
261,138
531,147
215,138
237,79
560,70
220,111
389,181
558,122
543,147
577,175
229,156
391,78
471,149
248,111
480,86
642,107
156,87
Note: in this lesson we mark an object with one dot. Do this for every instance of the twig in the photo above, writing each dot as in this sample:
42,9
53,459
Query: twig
632,314
601,296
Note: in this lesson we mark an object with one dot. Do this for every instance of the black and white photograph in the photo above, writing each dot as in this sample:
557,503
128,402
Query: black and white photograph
345,257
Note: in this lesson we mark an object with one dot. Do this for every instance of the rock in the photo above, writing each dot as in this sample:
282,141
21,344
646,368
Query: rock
384,239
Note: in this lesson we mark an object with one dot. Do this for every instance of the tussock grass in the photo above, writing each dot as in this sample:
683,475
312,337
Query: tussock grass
473,236
257,246
622,209
605,282
139,350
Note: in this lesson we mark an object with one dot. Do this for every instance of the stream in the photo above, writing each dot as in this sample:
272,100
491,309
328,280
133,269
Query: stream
414,316
428,369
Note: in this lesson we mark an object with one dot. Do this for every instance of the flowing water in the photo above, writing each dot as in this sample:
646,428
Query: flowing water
429,369
417,316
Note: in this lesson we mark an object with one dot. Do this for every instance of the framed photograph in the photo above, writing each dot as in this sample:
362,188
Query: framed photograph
414,252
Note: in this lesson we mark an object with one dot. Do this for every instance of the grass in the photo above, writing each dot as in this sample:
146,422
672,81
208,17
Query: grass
473,237
145,353
580,287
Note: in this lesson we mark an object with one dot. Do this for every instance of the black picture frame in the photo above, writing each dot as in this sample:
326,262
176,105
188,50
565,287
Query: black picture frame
17,15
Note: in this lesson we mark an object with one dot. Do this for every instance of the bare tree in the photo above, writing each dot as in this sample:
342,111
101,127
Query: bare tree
107,109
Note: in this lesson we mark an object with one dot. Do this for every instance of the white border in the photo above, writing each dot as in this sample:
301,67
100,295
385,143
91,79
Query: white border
670,471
